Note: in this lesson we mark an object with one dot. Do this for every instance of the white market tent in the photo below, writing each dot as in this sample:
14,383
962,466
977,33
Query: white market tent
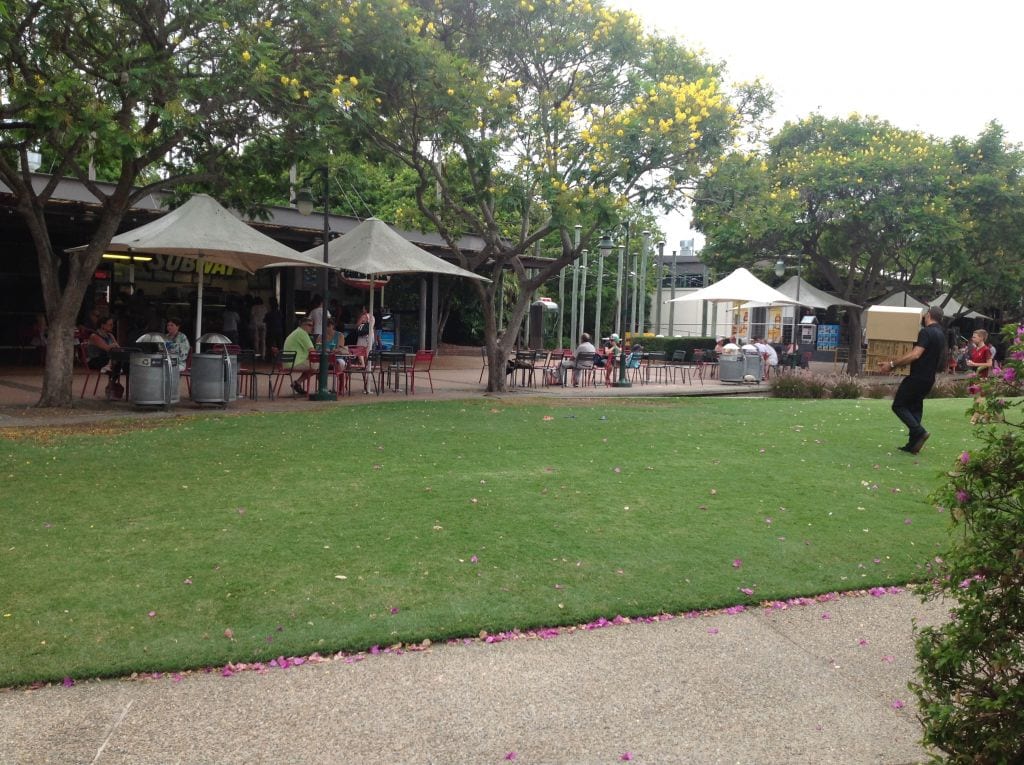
952,307
740,286
902,300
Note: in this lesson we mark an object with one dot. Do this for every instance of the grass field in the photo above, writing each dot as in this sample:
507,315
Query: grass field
199,541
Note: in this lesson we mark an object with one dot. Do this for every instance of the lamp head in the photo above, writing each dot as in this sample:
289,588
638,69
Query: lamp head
304,201
605,246
780,267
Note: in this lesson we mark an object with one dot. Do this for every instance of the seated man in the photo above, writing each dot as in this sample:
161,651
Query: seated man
300,342
584,351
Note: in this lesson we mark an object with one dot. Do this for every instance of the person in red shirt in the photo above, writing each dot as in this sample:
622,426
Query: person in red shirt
980,358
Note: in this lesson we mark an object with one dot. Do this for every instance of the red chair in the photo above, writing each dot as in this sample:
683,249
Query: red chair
359,366
421,364
83,356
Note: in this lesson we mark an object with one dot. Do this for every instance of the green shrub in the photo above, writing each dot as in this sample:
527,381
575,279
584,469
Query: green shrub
789,386
816,386
971,669
844,386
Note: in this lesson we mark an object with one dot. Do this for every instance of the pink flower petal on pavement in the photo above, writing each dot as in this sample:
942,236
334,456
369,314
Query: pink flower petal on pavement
68,682
897,704
713,631
826,615
626,756
862,641
889,659
511,756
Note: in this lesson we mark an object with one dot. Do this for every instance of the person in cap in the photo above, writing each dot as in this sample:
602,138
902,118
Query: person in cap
301,343
924,359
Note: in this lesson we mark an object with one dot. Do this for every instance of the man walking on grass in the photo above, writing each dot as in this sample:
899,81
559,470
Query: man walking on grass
924,359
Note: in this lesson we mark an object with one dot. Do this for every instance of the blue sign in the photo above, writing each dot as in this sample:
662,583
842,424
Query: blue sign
828,337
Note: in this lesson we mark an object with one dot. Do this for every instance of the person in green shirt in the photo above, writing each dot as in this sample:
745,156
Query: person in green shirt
300,342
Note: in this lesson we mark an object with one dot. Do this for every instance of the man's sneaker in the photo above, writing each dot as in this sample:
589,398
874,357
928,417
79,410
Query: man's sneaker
298,389
917,445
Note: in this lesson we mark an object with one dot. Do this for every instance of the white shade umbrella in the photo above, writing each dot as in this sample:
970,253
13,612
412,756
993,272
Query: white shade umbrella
811,296
902,300
738,287
204,230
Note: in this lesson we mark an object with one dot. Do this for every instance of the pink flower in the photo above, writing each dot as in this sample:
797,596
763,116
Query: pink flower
965,457
897,704
826,615
394,610
962,496
68,682
737,563
1009,374
889,659
862,641
972,389
151,614
474,559
746,591
188,580
713,631
511,756
626,756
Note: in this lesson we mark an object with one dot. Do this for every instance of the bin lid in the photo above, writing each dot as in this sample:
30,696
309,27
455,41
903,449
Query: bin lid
214,338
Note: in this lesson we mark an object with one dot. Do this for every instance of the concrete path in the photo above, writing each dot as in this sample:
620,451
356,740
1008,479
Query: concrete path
820,683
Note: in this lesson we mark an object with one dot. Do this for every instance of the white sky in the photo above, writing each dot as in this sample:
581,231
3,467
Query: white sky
940,67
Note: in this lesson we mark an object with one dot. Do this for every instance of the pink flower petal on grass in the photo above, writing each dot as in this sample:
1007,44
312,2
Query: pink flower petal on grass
474,559
737,563
746,591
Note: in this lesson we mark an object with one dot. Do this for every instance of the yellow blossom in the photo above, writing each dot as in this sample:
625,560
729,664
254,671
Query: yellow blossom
354,80
451,91
246,55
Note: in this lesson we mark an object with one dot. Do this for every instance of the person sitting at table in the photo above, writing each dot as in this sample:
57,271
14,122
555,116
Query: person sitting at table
332,338
613,355
584,351
98,349
301,343
177,343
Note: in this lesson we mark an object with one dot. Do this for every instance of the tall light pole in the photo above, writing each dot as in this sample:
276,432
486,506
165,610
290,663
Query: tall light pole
304,204
561,307
644,251
780,269
597,297
660,271
618,287
672,305
573,329
582,326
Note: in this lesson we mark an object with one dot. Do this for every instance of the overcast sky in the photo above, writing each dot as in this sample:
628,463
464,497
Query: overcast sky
939,67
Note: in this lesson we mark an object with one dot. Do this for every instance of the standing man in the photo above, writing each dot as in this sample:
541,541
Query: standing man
924,359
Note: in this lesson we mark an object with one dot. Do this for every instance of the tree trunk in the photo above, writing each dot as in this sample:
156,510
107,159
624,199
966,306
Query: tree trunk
853,365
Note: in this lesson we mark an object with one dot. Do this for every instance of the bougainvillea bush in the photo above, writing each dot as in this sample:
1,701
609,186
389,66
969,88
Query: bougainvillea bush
971,670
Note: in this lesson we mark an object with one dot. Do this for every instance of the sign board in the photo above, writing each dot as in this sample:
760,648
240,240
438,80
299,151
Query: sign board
828,337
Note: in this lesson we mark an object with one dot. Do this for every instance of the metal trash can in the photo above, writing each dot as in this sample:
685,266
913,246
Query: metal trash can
154,375
740,368
214,372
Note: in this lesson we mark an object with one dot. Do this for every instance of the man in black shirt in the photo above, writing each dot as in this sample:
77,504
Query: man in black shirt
924,359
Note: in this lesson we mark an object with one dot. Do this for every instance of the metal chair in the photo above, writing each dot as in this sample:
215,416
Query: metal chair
421,364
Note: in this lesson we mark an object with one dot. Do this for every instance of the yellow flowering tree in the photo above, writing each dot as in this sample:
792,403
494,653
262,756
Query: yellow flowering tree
868,207
127,97
522,118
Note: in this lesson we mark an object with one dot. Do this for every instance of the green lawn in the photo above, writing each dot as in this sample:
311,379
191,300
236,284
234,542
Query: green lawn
239,538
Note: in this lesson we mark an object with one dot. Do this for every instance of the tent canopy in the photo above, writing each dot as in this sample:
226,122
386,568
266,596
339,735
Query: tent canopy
739,286
373,247
952,308
811,296
902,299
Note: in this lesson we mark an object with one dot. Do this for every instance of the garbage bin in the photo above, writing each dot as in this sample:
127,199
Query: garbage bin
154,375
214,371
740,367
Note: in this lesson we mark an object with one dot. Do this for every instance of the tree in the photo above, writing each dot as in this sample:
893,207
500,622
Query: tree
858,199
143,95
575,116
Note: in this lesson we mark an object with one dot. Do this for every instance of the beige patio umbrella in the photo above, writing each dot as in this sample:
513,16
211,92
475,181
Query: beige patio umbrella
205,231
374,248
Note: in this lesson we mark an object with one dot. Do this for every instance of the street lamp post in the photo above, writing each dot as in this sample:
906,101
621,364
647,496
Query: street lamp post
780,269
618,287
597,297
582,326
573,329
660,271
304,204
642,283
